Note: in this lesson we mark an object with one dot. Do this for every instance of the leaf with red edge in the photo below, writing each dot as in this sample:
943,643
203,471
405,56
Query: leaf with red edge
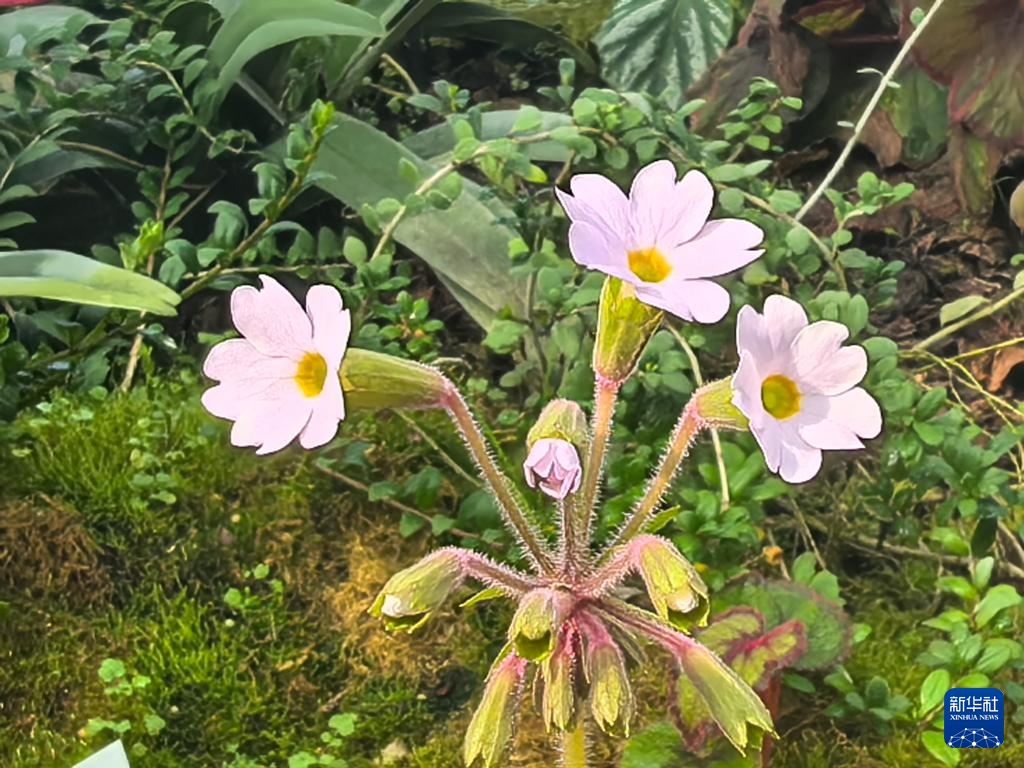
977,48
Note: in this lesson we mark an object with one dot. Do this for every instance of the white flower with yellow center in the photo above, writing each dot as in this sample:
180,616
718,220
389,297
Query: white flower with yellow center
280,381
797,385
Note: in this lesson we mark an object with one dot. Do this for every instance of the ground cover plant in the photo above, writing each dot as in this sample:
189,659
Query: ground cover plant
431,383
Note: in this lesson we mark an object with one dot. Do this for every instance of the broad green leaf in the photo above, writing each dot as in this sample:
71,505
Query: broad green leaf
65,276
918,113
935,743
657,746
954,310
479,21
999,598
17,27
933,689
251,28
661,46
465,244
440,139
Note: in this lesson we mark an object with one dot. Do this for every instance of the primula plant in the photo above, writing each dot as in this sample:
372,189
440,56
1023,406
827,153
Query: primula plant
574,633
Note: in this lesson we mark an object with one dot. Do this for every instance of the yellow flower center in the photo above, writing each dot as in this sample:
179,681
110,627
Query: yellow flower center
649,265
780,397
312,374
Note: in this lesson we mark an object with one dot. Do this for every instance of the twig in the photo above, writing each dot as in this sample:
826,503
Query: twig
405,508
388,59
445,456
723,476
991,348
876,97
980,314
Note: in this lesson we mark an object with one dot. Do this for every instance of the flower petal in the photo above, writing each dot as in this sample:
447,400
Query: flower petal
245,374
328,411
272,420
651,206
800,461
594,246
331,323
232,358
720,247
271,319
597,200
784,319
700,300
746,386
752,334
769,437
821,364
855,410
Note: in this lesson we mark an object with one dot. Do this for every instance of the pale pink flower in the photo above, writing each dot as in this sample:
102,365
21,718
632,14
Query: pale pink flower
659,239
797,385
280,380
555,465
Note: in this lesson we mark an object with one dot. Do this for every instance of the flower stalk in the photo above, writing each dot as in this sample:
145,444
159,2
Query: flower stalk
574,747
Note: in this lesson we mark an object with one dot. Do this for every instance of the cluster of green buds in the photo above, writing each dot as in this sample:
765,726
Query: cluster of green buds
571,630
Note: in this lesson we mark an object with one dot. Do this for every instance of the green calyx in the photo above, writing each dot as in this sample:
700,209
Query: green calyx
411,596
624,326
373,381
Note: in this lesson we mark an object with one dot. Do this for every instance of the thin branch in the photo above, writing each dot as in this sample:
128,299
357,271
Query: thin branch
981,314
876,97
723,477
388,59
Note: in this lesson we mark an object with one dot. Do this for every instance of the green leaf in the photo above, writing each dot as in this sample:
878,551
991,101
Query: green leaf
38,24
65,276
935,743
465,244
933,689
111,670
662,46
999,598
657,746
954,310
504,335
918,113
251,28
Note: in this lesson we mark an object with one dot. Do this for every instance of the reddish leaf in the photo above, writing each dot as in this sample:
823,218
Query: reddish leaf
975,46
829,16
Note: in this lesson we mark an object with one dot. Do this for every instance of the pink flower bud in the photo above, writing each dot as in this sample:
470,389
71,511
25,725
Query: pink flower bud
491,727
537,622
554,464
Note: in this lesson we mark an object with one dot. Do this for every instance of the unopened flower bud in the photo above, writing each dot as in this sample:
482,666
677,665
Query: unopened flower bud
562,420
491,727
554,465
559,672
373,381
536,624
677,591
731,702
624,326
410,596
715,407
611,697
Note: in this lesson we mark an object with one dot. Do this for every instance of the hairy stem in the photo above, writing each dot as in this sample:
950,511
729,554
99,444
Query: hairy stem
480,567
574,747
605,393
876,97
499,484
689,424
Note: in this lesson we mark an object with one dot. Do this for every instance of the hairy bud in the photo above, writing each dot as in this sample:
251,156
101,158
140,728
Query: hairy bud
535,627
559,673
611,697
624,326
715,407
373,381
491,727
410,596
677,591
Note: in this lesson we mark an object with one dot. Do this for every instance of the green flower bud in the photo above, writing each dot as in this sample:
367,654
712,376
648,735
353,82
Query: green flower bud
491,727
624,326
373,381
611,697
410,596
536,624
559,673
561,420
716,409
731,702
677,591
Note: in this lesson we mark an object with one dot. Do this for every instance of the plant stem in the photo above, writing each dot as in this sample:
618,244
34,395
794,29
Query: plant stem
497,481
876,97
689,424
605,393
574,747
980,314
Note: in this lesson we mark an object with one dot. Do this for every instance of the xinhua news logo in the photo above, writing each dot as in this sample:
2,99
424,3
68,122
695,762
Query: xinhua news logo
974,718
